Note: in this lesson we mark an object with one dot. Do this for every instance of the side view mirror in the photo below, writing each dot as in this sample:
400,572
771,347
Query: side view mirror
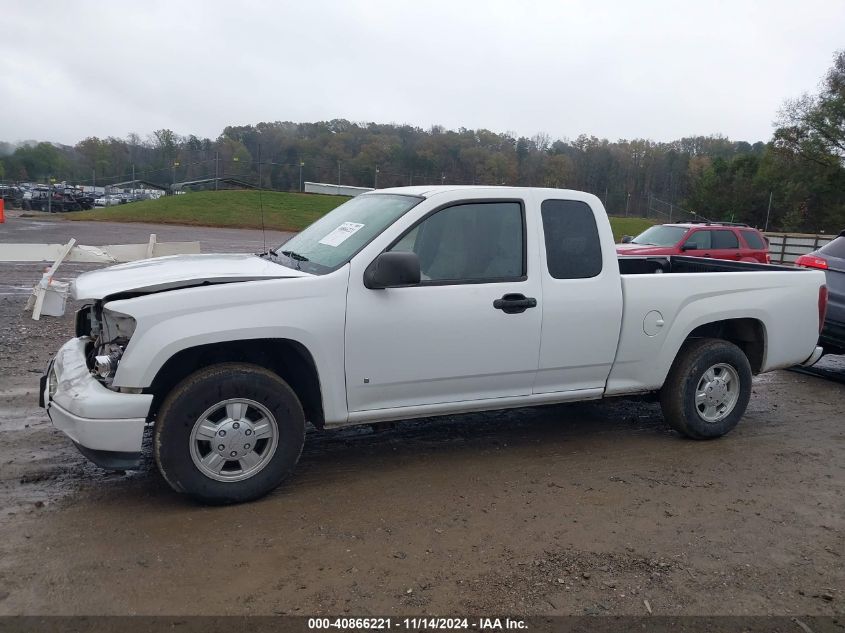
627,239
689,247
393,269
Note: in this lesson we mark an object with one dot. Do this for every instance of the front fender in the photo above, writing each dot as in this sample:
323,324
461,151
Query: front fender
308,310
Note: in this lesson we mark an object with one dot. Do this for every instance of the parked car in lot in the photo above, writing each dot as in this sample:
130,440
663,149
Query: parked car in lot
719,240
12,196
405,303
831,259
109,201
56,199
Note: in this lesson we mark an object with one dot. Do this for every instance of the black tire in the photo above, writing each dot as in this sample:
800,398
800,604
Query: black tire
677,397
183,407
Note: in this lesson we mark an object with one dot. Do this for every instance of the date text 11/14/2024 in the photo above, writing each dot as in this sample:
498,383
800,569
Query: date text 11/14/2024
416,624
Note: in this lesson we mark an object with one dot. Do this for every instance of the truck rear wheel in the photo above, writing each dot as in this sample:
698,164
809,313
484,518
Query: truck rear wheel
707,389
229,433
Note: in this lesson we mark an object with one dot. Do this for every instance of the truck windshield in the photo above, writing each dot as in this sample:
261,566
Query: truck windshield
335,238
660,236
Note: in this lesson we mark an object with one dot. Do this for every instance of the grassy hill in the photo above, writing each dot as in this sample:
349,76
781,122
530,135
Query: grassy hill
240,209
234,209
628,226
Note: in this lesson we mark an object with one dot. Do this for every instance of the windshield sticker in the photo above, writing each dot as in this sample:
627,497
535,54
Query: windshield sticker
341,234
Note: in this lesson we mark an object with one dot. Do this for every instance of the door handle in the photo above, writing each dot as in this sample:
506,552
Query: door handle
514,303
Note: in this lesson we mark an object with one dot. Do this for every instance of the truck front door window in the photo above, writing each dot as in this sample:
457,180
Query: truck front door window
481,242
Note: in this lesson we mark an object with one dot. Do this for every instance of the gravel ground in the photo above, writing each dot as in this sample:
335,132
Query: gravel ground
589,508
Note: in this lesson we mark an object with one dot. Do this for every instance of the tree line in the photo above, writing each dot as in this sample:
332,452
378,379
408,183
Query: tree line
794,181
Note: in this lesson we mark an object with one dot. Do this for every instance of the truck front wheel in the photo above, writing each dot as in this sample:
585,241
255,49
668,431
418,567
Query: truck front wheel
707,389
229,433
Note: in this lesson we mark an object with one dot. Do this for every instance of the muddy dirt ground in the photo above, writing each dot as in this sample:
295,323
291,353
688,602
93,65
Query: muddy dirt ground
579,509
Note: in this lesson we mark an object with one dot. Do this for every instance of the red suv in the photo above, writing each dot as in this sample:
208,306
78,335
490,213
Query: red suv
738,242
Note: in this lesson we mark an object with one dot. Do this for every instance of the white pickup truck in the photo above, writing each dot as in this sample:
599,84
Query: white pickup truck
405,303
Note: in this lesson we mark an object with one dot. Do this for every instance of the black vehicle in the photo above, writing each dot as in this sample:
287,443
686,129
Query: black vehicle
36,199
85,200
59,199
12,196
831,259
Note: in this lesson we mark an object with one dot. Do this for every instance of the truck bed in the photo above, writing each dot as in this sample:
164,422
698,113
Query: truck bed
686,293
646,265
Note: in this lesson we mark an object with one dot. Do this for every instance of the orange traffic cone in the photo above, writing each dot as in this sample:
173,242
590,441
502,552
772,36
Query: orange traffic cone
2,214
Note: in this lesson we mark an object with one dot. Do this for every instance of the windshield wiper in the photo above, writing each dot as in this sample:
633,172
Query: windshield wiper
292,255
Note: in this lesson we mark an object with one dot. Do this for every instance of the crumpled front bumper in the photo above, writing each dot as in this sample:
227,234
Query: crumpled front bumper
106,426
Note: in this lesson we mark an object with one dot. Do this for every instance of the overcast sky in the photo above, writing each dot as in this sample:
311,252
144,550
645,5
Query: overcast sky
660,70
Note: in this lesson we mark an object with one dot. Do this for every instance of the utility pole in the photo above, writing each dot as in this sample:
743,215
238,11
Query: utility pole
94,182
442,178
375,184
627,200
301,165
216,168
134,185
49,194
605,198
768,211
173,186
338,173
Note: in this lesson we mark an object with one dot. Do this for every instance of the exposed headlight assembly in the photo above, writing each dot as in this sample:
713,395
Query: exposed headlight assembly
106,364
114,334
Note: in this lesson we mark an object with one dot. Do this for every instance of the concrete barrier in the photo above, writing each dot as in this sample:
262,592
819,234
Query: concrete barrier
335,190
49,295
109,254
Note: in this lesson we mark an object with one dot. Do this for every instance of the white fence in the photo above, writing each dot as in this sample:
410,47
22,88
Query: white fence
49,295
785,248
110,254
334,190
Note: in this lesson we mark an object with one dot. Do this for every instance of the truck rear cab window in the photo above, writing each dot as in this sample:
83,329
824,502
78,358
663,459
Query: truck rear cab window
573,248
469,243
